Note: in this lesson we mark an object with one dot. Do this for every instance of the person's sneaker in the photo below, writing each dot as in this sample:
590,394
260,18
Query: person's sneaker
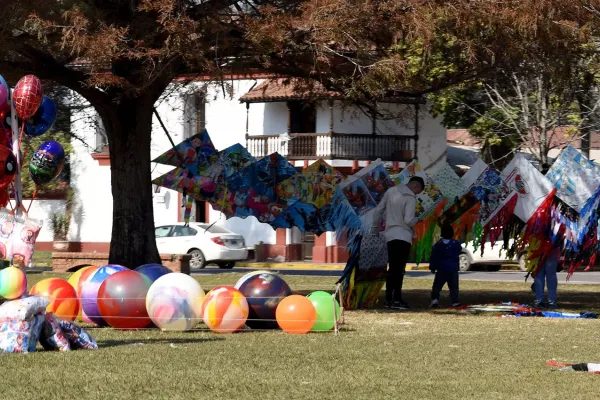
457,304
434,303
552,304
387,304
538,304
400,305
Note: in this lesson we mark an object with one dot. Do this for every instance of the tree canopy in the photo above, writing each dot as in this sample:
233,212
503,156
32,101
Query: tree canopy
120,55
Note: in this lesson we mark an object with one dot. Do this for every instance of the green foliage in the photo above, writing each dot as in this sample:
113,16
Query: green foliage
59,224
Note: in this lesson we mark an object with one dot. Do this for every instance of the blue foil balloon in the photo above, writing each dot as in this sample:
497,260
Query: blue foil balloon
47,162
43,119
3,83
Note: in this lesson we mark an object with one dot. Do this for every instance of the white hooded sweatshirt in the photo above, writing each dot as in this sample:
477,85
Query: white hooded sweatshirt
398,208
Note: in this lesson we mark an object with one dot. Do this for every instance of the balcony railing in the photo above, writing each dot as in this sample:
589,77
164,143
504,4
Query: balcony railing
305,146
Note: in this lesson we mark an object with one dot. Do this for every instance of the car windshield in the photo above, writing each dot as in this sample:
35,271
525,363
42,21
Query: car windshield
214,229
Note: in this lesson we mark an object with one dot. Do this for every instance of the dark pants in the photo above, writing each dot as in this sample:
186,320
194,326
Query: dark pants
441,278
398,253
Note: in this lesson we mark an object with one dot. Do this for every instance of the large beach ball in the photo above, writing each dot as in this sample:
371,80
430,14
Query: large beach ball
153,271
325,304
174,302
263,293
225,309
77,279
122,300
296,314
13,283
248,276
89,292
63,299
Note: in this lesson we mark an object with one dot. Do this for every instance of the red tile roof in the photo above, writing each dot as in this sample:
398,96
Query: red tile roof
283,89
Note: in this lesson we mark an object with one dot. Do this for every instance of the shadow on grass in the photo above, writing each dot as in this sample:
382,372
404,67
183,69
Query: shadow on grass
419,300
141,342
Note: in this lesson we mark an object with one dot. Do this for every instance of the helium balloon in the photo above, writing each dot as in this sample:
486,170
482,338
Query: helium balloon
263,293
13,283
4,105
174,302
89,292
43,120
77,280
152,271
27,96
225,309
4,83
122,300
5,136
64,302
324,304
296,314
8,166
47,162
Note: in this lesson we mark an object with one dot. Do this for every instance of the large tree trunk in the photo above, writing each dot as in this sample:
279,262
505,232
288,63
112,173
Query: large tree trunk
133,242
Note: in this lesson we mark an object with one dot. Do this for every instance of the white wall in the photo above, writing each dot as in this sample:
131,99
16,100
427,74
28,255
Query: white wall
92,212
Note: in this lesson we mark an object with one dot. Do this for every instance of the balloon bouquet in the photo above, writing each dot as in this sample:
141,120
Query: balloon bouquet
24,113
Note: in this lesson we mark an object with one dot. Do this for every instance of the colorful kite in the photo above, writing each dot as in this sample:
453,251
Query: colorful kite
531,186
575,177
430,196
192,153
450,184
253,189
308,195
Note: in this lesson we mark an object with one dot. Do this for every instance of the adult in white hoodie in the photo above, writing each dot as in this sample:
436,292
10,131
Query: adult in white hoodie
398,209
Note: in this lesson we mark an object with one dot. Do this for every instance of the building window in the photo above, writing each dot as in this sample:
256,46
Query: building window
303,117
195,113
101,136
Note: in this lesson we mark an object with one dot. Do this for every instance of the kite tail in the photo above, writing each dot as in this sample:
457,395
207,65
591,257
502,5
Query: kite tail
464,225
188,209
425,231
493,229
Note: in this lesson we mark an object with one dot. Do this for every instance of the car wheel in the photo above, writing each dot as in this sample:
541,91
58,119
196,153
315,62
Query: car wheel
522,263
464,262
227,265
198,261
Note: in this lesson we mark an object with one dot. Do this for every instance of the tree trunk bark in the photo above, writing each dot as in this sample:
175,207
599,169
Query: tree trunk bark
133,242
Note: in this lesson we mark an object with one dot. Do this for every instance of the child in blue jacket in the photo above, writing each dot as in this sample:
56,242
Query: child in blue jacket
444,263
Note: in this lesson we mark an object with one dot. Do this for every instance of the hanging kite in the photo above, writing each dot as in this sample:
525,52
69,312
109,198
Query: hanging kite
308,196
431,195
192,153
253,189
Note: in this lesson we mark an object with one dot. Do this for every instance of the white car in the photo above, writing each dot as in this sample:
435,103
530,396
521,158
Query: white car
205,243
493,257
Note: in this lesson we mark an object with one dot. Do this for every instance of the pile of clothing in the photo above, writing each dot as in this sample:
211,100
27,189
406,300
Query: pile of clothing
24,322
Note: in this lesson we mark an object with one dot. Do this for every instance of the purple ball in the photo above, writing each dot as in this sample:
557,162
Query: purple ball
89,292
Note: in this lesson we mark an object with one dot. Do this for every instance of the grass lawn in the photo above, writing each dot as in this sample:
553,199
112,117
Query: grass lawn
379,355
42,259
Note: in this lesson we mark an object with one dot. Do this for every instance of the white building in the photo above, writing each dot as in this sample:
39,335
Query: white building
254,112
